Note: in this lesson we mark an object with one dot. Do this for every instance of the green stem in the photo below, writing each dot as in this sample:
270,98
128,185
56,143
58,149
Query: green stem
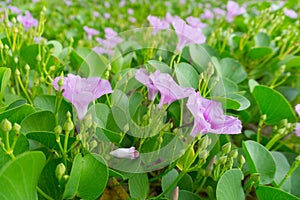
24,90
43,193
289,173
260,124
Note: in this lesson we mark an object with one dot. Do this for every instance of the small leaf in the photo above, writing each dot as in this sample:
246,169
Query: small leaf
187,195
162,67
17,114
167,180
273,104
271,193
259,52
229,186
19,178
260,161
5,74
233,70
262,39
139,186
38,121
282,167
186,75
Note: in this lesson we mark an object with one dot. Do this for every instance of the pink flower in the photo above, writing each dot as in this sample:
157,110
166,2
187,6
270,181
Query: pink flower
187,34
207,14
129,153
170,18
81,91
132,19
290,13
106,15
96,14
209,117
157,24
297,129
169,90
90,31
233,10
219,12
27,20
14,9
130,11
195,22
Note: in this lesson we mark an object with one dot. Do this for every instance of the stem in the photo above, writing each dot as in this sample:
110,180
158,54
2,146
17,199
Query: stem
274,140
289,173
260,124
46,196
24,90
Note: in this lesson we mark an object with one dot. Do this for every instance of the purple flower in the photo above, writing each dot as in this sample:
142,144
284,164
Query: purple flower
157,24
195,22
132,19
297,108
297,129
209,117
90,31
35,1
182,2
233,10
290,13
207,14
106,4
170,18
109,32
68,2
81,91
14,9
122,3
129,153
27,20
219,12
106,15
169,90
130,11
96,14
187,34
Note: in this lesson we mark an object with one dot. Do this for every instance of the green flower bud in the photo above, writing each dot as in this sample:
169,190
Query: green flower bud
16,127
13,20
27,67
38,57
160,140
93,144
60,171
68,126
17,72
88,121
58,129
255,177
241,161
222,160
6,125
233,153
297,160
226,148
203,154
52,68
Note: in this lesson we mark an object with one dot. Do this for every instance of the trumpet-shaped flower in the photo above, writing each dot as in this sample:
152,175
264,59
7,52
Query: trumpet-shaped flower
27,20
233,10
90,31
157,24
169,90
290,13
195,22
130,153
81,91
209,117
187,34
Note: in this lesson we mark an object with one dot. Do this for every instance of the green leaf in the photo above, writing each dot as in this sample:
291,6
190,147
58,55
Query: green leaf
260,161
187,195
290,93
186,75
38,121
259,52
47,102
19,178
17,114
167,180
282,167
29,54
273,104
88,178
139,186
99,114
5,74
293,62
271,193
162,67
243,102
201,55
229,186
57,47
262,39
233,70
186,183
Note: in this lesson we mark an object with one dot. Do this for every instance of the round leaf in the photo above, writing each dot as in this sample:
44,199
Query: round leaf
186,75
271,193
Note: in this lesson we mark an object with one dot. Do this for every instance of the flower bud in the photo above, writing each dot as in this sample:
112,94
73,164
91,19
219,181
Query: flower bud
233,153
93,144
226,148
27,67
68,126
17,72
38,57
222,160
88,121
160,140
203,154
16,127
58,129
60,171
6,125
241,161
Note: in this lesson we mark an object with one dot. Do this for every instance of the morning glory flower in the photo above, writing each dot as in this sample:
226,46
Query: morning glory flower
233,10
195,22
170,18
90,31
81,91
207,14
27,20
157,24
169,90
130,11
130,153
290,13
297,129
209,117
106,15
187,34
219,12
14,9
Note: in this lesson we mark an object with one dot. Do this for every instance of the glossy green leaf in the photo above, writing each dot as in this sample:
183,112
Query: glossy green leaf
282,167
290,93
262,39
5,74
88,178
260,52
229,186
201,55
139,186
233,70
162,67
167,180
186,75
293,62
273,104
17,114
56,46
271,193
260,160
19,178
187,195
29,54
38,121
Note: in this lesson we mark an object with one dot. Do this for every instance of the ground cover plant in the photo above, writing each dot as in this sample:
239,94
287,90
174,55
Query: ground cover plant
146,99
